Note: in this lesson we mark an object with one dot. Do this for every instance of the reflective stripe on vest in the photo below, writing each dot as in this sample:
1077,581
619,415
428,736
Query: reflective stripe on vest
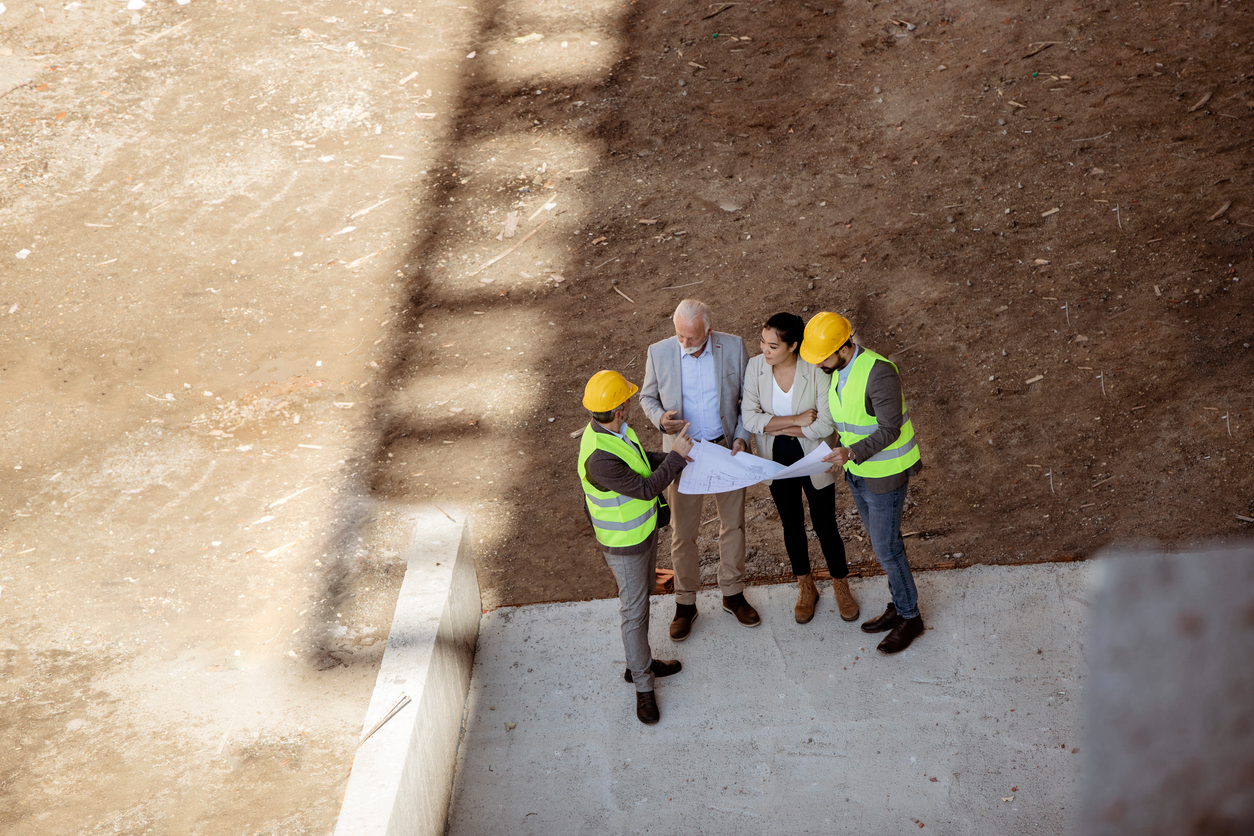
618,521
854,423
867,429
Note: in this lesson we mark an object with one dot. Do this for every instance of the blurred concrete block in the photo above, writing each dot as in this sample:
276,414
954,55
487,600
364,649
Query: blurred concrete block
403,775
1169,724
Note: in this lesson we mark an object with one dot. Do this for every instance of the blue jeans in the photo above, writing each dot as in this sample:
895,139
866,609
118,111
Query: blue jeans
881,516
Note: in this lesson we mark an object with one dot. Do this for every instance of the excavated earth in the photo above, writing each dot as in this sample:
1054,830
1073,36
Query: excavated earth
258,291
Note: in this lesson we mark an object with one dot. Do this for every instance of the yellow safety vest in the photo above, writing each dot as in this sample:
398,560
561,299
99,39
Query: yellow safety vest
854,423
619,521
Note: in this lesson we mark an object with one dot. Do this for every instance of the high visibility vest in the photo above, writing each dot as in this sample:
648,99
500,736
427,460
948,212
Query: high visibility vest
854,423
619,521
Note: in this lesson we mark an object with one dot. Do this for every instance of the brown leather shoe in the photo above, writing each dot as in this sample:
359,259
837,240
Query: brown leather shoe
904,631
844,599
681,625
660,667
742,609
880,623
807,597
646,707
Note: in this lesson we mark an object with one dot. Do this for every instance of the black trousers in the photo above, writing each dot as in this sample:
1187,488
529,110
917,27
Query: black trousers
787,495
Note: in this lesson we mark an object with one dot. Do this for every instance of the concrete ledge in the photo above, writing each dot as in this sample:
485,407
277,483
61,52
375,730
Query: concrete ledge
402,777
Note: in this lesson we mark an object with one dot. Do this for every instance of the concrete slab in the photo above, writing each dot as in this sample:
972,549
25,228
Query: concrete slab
786,728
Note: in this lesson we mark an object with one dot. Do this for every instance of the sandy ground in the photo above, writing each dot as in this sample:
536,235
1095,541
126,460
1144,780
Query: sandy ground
244,306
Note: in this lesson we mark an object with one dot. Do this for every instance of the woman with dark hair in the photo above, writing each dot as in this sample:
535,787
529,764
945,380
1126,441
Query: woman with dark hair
779,406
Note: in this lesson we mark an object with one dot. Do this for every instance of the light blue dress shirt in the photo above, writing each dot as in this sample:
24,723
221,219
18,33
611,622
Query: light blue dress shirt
699,381
843,374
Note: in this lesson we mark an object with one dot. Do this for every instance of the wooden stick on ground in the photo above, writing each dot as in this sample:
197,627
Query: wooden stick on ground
163,33
400,703
724,7
1040,49
552,200
521,241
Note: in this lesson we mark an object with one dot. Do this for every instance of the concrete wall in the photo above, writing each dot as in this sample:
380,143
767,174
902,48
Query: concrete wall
1169,725
402,776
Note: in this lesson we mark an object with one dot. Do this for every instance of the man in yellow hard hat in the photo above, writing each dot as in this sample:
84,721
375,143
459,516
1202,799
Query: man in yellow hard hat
622,484
879,453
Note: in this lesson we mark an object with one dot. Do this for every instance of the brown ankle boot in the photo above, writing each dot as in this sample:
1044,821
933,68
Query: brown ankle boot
807,597
844,599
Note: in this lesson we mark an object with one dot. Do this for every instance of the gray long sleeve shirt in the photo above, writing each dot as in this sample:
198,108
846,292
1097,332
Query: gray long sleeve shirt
608,472
883,400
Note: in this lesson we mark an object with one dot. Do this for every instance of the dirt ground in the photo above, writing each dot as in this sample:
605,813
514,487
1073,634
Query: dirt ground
247,310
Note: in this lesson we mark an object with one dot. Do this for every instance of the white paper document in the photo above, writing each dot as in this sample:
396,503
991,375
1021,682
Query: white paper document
714,469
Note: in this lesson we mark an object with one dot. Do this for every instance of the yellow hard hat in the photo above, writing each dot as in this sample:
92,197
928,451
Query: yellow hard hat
825,334
607,390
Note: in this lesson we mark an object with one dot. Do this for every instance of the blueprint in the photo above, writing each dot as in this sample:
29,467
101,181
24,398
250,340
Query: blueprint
714,469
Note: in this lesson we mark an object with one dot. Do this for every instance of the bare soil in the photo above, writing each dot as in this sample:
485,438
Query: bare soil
246,311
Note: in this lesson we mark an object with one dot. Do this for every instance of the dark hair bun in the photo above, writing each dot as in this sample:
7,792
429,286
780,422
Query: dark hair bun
790,327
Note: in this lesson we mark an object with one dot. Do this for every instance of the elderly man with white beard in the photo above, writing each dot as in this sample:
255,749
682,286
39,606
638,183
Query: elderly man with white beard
694,379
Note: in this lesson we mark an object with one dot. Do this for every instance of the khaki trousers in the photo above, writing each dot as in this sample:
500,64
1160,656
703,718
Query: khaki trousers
686,525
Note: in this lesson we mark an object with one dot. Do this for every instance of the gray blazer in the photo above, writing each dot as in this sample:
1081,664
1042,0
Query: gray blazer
662,390
809,384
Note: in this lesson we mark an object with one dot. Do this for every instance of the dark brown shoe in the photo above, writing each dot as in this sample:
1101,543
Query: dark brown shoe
884,622
681,626
742,609
646,707
660,667
904,631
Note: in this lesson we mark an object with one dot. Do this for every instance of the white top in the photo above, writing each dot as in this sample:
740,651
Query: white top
781,401
699,382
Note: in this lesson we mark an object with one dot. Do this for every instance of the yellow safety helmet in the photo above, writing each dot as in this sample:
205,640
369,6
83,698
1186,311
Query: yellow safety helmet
607,390
824,335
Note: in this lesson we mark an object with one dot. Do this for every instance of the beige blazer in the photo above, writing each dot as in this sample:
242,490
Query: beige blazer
662,390
808,386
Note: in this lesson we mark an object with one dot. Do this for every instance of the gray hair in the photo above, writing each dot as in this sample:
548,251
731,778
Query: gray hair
690,310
